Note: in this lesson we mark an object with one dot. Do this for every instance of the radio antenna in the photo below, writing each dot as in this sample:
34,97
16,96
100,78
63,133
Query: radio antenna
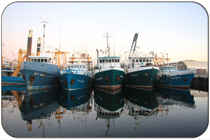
107,39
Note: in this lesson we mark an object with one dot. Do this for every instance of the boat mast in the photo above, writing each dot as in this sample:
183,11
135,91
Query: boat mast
107,39
44,23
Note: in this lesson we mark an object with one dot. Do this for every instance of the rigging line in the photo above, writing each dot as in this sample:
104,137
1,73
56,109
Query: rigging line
123,47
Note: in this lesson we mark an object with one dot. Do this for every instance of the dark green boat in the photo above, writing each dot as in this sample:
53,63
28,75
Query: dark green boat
108,74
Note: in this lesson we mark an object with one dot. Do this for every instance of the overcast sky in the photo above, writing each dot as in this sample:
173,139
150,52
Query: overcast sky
177,28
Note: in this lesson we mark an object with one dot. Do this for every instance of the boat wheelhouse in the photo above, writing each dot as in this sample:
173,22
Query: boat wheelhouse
42,59
140,61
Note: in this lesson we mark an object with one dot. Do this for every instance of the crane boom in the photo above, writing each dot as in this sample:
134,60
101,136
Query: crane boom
133,46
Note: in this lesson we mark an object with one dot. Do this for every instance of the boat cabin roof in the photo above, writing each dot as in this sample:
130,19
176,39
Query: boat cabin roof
168,68
43,59
38,57
111,57
141,57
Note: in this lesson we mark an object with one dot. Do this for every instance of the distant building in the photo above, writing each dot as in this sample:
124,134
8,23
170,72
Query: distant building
200,66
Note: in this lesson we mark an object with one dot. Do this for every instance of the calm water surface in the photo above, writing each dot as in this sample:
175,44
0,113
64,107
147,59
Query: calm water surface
129,112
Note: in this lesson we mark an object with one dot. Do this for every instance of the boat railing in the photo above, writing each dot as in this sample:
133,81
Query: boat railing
75,71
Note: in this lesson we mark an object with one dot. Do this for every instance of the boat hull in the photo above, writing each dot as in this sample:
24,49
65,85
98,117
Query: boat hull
71,81
109,79
142,77
7,81
175,81
40,75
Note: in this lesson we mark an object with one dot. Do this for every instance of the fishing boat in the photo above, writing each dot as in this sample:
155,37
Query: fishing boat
76,75
172,76
108,72
40,72
141,72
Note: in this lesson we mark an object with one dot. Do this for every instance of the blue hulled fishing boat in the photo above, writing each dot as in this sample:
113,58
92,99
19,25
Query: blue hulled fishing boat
40,73
76,74
171,76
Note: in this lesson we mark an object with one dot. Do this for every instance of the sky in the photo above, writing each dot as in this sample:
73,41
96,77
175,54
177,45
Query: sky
177,28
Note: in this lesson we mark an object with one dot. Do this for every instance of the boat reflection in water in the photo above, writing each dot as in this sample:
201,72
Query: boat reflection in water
76,100
108,106
38,104
175,96
141,102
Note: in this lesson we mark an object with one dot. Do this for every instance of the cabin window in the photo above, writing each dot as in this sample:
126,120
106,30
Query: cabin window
38,60
77,66
109,60
101,61
80,66
137,60
34,60
84,66
143,60
147,60
112,60
133,60
68,67
46,60
115,60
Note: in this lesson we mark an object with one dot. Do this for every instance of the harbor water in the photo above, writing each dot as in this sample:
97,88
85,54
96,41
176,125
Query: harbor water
89,113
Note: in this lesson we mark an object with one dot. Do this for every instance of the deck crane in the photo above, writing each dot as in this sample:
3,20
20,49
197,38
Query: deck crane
20,60
133,46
